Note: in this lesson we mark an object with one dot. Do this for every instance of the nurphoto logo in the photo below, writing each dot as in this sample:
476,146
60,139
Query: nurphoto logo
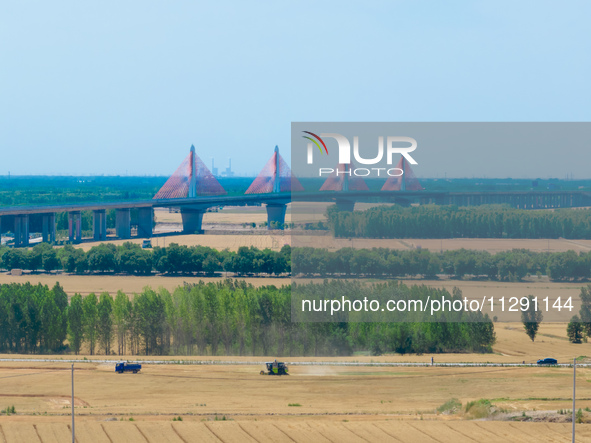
395,145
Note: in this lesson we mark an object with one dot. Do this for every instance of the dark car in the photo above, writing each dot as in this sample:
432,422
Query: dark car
547,361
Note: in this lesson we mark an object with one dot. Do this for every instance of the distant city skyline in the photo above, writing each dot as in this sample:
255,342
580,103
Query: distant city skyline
125,88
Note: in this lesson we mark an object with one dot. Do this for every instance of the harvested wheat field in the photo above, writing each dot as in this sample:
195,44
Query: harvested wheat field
233,403
221,238
290,431
492,245
232,242
85,284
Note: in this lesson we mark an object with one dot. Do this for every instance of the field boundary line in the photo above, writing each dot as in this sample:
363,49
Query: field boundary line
518,433
284,433
482,428
248,433
424,433
142,433
355,434
37,432
3,435
447,425
214,433
386,432
324,436
553,430
178,433
106,433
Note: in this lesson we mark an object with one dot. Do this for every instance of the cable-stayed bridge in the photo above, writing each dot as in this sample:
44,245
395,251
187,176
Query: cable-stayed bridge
194,189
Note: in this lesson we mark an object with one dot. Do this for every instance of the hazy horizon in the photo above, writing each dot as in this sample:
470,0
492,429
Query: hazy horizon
116,88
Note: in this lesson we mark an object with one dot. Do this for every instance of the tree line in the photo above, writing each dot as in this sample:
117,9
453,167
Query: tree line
130,258
488,221
511,265
224,318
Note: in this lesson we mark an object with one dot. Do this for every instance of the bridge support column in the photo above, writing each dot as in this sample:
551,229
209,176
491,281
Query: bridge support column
276,215
123,223
145,222
48,227
345,205
192,219
403,202
17,231
21,230
99,224
75,227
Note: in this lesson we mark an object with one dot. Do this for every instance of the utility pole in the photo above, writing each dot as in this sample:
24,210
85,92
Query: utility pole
73,432
574,390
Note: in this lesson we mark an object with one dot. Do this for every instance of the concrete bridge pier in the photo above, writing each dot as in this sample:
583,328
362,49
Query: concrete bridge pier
145,222
192,219
75,226
276,215
21,230
48,227
123,223
345,205
99,224
405,203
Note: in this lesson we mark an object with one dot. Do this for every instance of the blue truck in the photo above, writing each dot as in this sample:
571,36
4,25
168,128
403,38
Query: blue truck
120,368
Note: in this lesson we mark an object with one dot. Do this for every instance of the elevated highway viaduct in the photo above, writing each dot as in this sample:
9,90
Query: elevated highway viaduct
193,208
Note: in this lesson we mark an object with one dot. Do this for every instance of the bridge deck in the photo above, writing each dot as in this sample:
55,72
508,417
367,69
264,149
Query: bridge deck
538,198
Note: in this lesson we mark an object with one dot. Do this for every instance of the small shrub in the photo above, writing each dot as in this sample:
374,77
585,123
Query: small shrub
450,407
479,408
294,404
9,410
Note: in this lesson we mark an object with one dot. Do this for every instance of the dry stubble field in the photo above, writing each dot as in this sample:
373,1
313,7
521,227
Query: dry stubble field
330,403
344,404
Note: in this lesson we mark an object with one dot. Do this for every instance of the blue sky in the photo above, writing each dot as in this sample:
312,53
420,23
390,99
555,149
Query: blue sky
126,87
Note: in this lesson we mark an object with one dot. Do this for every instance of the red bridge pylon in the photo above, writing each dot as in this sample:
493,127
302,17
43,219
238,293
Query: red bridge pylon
408,181
192,178
275,177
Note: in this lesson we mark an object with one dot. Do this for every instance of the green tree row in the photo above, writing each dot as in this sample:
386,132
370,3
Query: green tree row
378,262
132,259
229,318
488,221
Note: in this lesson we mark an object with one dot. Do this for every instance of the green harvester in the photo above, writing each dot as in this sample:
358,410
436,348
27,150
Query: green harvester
275,368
